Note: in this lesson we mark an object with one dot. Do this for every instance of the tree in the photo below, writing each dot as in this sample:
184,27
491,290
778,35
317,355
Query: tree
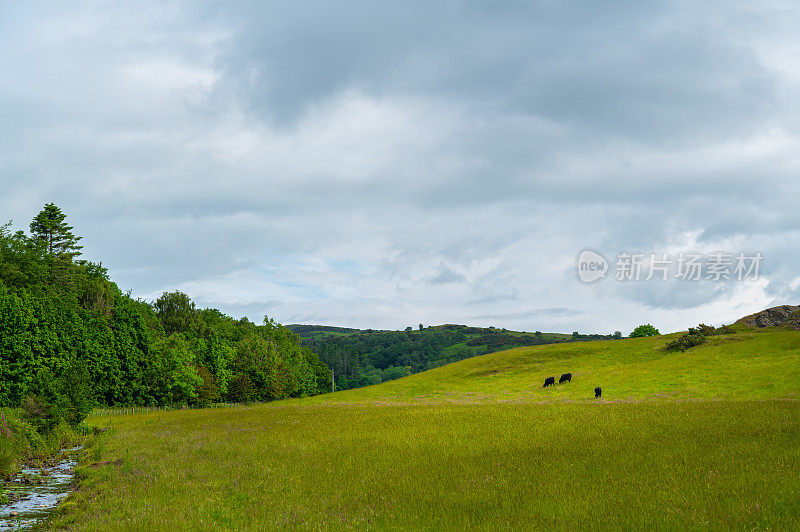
171,370
208,392
70,339
242,389
50,228
177,312
78,393
617,335
644,330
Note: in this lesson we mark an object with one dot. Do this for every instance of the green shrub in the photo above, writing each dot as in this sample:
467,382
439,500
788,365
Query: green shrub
40,413
644,330
705,330
695,336
686,341
20,440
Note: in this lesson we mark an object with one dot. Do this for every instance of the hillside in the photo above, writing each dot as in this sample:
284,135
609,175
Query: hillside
705,438
750,363
787,316
320,331
365,357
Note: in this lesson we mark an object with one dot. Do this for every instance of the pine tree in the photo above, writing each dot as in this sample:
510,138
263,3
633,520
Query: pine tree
49,227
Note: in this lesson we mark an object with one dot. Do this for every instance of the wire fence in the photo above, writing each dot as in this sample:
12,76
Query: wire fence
122,410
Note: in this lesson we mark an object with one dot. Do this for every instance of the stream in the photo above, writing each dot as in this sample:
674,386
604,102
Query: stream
35,493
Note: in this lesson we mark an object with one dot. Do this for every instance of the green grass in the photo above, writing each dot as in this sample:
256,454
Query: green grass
750,364
709,438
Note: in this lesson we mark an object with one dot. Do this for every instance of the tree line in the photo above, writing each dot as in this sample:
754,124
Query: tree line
365,357
70,339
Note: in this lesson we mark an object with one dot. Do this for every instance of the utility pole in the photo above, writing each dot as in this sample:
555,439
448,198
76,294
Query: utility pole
333,382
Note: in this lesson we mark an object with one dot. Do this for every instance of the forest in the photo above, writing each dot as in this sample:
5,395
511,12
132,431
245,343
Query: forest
71,339
364,357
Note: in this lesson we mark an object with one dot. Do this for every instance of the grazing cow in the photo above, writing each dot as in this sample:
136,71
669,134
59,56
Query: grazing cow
566,377
597,392
549,381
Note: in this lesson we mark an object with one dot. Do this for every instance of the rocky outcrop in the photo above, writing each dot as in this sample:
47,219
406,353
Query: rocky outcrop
783,316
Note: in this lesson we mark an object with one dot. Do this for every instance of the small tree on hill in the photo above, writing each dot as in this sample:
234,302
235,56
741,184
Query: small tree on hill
644,330
49,227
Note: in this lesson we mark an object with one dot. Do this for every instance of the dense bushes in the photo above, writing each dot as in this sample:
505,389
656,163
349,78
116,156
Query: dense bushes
691,339
21,440
50,400
696,336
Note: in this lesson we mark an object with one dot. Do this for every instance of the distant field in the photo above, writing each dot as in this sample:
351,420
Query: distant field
361,358
709,438
755,363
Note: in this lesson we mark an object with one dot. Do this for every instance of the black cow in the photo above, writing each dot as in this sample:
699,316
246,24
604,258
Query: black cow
549,381
566,377
597,392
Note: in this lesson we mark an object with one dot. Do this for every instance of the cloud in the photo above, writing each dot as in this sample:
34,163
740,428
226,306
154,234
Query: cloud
533,313
378,165
446,276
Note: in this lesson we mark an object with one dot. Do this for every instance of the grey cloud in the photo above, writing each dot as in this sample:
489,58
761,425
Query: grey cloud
369,164
671,295
620,68
446,276
532,313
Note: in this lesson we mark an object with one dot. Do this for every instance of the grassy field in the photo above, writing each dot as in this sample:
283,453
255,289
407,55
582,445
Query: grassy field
709,438
754,363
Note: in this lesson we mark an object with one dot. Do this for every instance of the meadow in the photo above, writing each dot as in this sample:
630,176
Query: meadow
708,438
753,363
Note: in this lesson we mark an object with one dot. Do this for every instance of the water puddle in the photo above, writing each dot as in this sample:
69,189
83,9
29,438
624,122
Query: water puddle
35,492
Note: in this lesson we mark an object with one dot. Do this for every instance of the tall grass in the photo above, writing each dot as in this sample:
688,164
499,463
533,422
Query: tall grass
605,465
20,442
709,438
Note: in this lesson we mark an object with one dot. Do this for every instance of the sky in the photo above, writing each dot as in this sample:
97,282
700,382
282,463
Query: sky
384,164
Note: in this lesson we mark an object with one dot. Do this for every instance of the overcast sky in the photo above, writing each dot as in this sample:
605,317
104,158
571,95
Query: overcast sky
377,164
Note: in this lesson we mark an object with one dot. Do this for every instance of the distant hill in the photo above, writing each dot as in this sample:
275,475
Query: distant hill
746,363
782,316
316,331
364,357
